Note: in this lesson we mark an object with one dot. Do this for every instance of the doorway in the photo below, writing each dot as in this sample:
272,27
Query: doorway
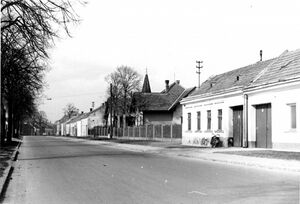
237,118
263,126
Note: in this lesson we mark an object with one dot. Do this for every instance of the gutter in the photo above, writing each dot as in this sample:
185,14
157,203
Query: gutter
245,121
271,85
198,98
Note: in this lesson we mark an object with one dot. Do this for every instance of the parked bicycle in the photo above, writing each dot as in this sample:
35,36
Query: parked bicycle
215,140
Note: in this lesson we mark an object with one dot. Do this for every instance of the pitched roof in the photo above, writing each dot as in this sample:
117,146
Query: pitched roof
162,101
146,85
232,80
63,119
77,118
285,67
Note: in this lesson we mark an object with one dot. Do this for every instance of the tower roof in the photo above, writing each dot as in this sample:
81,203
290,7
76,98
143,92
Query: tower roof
146,86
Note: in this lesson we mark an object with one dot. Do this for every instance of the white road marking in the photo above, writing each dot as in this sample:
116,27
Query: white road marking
198,192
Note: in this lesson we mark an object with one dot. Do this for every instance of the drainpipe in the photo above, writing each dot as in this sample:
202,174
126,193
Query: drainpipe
245,121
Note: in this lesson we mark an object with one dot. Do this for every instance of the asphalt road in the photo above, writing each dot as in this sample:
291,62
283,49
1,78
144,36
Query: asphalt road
55,170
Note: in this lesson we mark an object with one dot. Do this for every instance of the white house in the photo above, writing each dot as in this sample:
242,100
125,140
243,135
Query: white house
96,117
256,106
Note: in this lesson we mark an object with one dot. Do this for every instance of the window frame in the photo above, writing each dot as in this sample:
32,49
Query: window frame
220,119
293,116
198,120
208,112
189,120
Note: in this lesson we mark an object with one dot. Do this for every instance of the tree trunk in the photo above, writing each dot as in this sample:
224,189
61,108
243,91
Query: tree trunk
10,122
3,132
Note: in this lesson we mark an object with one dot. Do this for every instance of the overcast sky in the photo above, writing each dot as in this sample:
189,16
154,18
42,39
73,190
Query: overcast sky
166,37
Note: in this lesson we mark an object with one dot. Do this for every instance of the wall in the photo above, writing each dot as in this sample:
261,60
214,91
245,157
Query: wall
96,118
78,125
158,117
84,127
194,136
177,115
67,129
283,137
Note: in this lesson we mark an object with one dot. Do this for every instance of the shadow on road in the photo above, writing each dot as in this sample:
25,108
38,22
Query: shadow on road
121,154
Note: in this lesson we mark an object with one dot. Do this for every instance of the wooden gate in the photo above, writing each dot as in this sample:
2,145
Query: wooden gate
263,126
237,126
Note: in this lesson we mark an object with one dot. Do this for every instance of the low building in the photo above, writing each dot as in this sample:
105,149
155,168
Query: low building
96,117
161,107
253,106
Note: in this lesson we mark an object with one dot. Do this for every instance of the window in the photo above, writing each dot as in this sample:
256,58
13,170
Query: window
220,119
198,120
189,121
209,120
293,116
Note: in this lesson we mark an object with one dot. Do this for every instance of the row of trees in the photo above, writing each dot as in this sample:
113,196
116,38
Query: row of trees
28,29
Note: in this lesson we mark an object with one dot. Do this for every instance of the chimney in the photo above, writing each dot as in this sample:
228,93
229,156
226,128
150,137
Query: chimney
167,85
82,112
177,81
260,53
91,109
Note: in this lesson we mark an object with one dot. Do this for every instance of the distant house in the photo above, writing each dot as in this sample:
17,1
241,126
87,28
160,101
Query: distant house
253,106
61,125
77,126
159,108
96,117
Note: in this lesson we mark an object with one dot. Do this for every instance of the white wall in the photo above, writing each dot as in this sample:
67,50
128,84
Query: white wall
282,135
67,129
84,127
78,125
194,137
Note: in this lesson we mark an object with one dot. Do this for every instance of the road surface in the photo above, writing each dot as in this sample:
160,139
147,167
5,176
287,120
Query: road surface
56,170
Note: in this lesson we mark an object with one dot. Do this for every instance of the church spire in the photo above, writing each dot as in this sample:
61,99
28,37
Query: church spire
146,86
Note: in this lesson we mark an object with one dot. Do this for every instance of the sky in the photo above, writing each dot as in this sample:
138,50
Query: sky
166,37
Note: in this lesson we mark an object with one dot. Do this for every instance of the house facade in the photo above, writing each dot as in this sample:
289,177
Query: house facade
254,106
96,117
159,107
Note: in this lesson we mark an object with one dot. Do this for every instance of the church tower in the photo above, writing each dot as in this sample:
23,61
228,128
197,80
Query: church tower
146,86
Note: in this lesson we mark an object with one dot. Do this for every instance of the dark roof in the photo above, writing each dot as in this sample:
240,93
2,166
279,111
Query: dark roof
235,79
285,67
77,118
63,119
162,101
146,85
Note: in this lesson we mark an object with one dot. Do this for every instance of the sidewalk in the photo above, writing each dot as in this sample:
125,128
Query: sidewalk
230,156
8,155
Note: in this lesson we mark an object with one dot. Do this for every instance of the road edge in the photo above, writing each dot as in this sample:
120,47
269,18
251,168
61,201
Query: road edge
4,180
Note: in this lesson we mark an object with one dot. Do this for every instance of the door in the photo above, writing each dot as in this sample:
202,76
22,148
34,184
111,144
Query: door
263,126
237,126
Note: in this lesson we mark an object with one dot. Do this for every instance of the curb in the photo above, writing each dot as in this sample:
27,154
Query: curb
249,164
4,181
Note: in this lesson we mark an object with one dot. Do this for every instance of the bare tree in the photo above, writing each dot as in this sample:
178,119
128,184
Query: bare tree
28,29
125,80
70,110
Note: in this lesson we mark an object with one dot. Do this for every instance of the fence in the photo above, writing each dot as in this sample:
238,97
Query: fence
146,131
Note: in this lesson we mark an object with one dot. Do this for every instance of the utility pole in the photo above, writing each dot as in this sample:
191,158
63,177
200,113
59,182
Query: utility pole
198,66
111,97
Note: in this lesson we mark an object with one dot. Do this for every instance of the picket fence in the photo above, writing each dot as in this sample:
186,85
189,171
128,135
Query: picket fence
146,131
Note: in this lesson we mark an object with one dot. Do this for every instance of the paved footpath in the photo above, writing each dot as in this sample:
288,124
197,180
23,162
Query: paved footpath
65,170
